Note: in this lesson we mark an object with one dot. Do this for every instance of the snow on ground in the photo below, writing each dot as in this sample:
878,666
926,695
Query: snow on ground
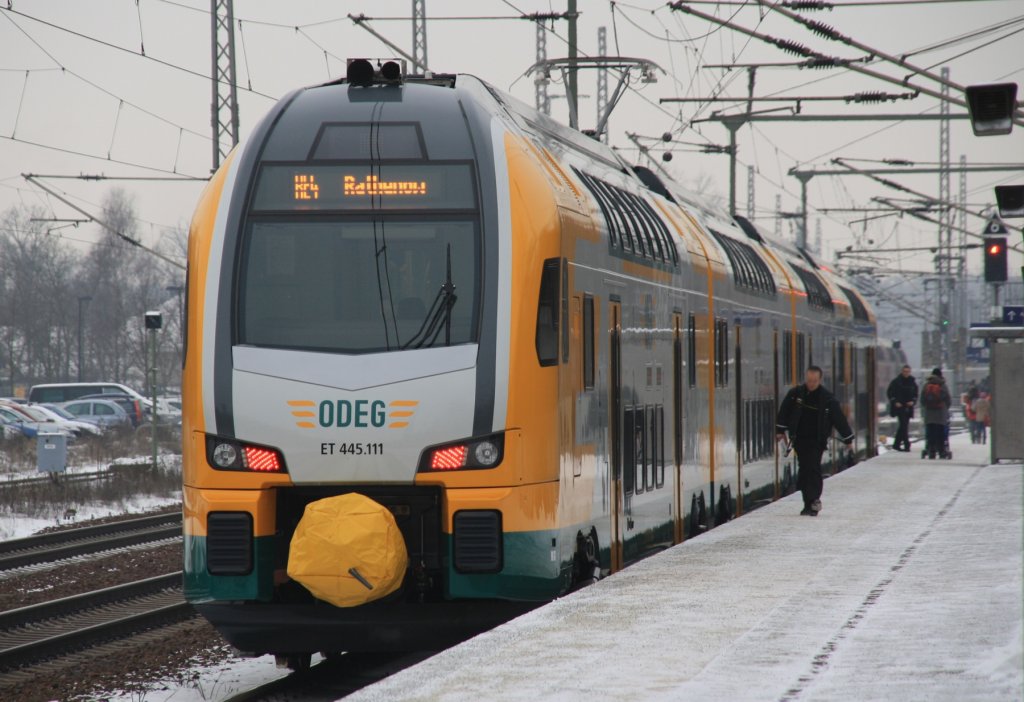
907,586
16,526
209,682
15,523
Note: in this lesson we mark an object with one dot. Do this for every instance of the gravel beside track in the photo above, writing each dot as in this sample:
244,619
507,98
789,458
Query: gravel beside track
42,631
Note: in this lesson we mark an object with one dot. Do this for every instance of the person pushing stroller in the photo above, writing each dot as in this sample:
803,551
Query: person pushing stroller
935,403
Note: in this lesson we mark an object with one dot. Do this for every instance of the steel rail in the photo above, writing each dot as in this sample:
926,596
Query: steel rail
56,545
50,629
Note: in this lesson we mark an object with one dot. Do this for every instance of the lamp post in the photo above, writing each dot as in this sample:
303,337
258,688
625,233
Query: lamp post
81,299
154,321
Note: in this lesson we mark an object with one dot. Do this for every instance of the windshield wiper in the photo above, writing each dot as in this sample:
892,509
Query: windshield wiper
439,316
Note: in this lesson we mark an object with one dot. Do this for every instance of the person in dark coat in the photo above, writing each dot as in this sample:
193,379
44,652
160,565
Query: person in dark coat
902,395
808,414
935,403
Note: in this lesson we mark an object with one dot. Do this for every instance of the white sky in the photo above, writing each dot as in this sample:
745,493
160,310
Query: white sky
80,108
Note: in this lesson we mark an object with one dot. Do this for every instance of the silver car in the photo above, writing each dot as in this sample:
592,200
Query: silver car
106,413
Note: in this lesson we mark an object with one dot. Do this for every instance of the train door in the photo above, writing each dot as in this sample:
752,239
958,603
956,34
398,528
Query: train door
574,387
831,457
615,427
871,389
775,394
677,426
741,427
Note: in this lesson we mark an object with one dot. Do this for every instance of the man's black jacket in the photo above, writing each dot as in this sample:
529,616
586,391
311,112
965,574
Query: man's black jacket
829,417
902,390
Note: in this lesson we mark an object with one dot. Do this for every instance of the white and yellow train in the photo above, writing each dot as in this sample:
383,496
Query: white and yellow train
545,362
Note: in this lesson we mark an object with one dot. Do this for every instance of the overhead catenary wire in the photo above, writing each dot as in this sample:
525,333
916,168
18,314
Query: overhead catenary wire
799,49
119,234
148,57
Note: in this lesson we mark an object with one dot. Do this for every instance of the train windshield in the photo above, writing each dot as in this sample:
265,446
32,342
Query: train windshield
360,286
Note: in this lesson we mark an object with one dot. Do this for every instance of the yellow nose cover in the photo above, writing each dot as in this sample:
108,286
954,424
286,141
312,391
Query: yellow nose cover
347,550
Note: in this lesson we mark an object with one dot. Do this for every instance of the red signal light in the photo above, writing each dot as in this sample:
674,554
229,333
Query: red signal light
994,249
449,458
261,459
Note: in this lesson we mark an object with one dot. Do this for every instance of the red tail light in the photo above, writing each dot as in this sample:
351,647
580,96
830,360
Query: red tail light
449,457
260,459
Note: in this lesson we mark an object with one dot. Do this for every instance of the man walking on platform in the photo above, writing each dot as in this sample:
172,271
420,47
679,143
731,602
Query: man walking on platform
808,414
902,395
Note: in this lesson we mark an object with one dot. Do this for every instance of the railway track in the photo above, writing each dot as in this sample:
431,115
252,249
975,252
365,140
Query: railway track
46,479
46,548
33,634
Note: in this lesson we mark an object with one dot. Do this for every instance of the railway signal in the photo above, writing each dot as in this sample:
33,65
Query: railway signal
995,259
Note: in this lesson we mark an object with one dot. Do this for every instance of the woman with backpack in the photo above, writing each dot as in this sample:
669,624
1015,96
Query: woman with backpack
935,402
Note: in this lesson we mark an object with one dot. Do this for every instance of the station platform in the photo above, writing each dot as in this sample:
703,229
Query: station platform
907,586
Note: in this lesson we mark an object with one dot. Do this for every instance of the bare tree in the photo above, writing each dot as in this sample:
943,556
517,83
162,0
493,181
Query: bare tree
36,310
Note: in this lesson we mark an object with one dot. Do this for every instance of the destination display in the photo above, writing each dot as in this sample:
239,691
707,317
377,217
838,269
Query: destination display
363,187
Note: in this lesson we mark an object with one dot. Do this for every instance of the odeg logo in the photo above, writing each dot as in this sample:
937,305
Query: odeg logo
348,413
358,414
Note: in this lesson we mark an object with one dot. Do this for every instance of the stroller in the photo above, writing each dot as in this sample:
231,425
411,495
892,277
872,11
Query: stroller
943,451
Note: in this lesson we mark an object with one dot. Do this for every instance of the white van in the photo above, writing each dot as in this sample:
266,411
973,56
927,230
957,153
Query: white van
65,392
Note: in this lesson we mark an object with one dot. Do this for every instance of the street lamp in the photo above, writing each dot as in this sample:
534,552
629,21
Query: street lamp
81,299
154,321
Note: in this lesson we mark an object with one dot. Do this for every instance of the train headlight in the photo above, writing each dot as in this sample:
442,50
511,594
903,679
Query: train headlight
225,455
469,454
486,453
228,454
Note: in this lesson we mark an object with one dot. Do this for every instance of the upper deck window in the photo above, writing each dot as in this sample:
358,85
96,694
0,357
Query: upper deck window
817,294
633,225
860,312
749,269
362,141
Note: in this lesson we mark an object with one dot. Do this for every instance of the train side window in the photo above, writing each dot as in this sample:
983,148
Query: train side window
547,313
787,357
721,353
634,450
565,311
691,352
652,449
658,442
800,357
588,342
677,393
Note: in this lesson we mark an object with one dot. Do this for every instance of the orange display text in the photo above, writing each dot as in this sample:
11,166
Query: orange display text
375,186
306,187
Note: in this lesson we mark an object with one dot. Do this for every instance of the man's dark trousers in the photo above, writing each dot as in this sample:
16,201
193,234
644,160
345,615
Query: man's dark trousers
903,431
808,478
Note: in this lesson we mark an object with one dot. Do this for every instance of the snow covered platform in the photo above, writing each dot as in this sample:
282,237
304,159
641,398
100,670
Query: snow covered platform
907,586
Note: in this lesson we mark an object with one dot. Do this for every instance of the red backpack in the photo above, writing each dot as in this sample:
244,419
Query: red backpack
933,395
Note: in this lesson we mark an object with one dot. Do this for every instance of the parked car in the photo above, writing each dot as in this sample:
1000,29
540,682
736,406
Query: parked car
13,429
104,412
28,422
169,407
65,392
69,422
136,411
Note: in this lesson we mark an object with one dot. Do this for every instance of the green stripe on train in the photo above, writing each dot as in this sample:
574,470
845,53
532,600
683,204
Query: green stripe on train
200,586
